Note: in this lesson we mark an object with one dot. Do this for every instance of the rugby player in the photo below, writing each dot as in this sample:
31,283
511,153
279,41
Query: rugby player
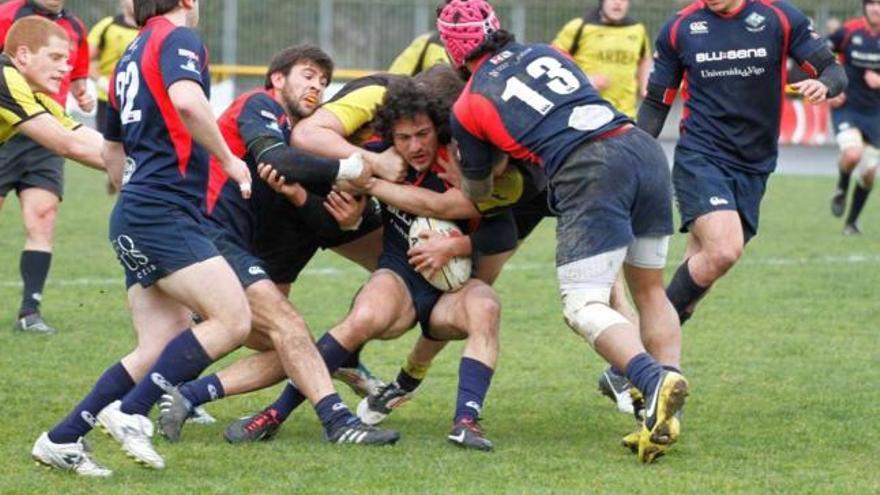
855,112
733,53
35,172
160,131
108,39
257,127
613,49
608,181
423,53
396,296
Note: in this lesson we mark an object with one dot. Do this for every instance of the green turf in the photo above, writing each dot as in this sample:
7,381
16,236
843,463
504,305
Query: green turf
783,360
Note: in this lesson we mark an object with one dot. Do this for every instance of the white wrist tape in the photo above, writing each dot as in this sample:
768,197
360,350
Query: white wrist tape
351,167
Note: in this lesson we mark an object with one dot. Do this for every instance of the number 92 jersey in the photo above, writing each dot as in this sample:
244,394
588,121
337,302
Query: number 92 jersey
162,160
531,102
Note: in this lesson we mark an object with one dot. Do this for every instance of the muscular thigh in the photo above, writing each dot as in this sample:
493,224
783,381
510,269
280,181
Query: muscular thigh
450,319
385,300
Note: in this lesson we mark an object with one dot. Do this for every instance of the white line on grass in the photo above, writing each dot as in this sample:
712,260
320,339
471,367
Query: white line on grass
336,272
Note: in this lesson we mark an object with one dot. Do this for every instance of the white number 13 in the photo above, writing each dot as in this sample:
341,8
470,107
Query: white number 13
562,81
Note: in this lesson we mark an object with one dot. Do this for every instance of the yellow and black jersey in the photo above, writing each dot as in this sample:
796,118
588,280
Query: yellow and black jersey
613,50
110,36
423,53
19,103
356,103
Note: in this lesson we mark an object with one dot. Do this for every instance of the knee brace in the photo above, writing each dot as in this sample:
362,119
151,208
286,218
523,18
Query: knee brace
587,313
868,164
585,286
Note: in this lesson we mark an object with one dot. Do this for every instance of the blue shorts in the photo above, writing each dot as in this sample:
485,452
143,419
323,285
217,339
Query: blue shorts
423,294
703,184
868,123
608,192
153,239
248,268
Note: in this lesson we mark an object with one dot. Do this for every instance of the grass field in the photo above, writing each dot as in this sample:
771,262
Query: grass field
783,360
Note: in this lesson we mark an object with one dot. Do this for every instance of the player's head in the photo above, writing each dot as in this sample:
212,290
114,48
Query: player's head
442,82
466,26
54,6
413,121
144,10
614,11
872,11
300,74
723,6
40,49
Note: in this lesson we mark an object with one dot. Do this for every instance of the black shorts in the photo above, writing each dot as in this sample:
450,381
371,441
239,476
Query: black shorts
289,243
424,295
248,268
529,214
703,185
25,164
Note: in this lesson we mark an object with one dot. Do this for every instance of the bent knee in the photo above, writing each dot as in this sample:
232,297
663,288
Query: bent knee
851,156
723,258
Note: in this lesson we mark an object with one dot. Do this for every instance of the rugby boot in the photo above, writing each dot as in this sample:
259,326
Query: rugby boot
174,410
359,380
374,408
261,426
659,431
356,432
468,434
134,432
617,388
838,203
33,323
72,457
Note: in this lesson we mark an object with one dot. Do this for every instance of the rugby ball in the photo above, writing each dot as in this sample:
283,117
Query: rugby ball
458,270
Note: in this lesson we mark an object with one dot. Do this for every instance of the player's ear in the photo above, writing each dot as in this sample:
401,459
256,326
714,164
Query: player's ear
277,79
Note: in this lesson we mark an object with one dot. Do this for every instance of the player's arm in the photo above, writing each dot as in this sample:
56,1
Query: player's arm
811,51
195,111
324,134
81,143
451,204
643,71
476,159
662,85
406,62
113,154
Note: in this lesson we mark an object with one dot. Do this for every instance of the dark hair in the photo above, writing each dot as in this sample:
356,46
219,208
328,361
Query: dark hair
144,10
406,99
443,83
284,60
493,43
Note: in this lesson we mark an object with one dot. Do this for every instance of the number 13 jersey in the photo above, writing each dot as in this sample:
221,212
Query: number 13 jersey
531,102
162,160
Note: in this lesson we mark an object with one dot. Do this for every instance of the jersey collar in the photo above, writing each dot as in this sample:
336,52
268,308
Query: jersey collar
729,15
46,13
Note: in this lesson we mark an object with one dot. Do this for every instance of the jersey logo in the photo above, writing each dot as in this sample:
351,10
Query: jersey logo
857,40
699,27
755,22
191,60
742,54
501,57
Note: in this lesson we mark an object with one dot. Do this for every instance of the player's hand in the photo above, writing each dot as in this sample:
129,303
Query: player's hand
813,90
346,209
451,168
389,165
238,171
293,192
370,164
599,81
431,254
84,99
837,101
872,79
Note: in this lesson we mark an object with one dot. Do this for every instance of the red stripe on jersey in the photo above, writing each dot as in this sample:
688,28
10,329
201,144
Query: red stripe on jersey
809,69
682,14
228,124
685,96
669,96
181,139
478,116
786,40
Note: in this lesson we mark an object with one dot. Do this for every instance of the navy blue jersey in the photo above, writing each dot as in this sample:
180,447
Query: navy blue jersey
251,116
396,223
531,102
163,162
733,68
859,49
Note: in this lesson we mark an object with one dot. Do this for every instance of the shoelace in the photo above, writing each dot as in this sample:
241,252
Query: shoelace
260,420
